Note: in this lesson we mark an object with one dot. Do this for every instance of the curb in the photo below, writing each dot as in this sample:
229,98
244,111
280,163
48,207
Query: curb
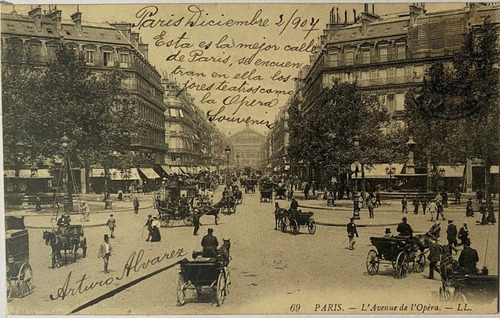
357,225
50,228
74,213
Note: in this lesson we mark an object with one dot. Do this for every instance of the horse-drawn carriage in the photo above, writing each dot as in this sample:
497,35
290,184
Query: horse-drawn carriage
238,196
293,219
68,239
280,193
266,192
19,272
458,286
250,185
205,272
179,211
227,204
399,251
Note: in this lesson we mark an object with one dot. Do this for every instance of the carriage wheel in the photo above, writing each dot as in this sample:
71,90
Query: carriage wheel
372,262
188,221
181,290
311,226
402,265
283,224
220,289
75,249
228,281
25,280
419,263
460,297
294,226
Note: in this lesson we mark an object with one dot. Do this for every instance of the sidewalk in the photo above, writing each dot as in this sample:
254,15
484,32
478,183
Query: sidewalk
98,215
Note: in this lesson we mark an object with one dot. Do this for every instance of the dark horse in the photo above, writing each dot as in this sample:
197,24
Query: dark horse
211,210
279,213
56,245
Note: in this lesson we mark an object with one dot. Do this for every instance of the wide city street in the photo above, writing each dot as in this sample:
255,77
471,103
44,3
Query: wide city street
271,271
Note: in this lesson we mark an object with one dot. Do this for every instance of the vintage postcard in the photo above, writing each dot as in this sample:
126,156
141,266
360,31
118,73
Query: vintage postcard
250,158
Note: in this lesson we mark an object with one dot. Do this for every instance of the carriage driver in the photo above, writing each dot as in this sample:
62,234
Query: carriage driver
404,229
63,224
209,244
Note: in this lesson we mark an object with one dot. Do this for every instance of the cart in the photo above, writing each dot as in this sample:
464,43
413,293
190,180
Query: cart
250,185
227,205
238,196
295,218
205,273
170,213
281,193
458,286
19,272
399,251
75,240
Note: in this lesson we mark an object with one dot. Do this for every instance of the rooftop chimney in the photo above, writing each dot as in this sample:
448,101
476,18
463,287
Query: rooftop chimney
134,38
366,19
415,11
36,15
77,19
55,16
143,48
124,28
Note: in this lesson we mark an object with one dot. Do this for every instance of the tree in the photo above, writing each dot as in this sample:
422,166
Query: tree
323,136
455,115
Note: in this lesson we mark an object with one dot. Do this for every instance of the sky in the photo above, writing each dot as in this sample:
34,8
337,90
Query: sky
220,59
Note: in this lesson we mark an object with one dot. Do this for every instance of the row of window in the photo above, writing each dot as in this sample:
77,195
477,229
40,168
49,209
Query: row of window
150,114
366,55
389,75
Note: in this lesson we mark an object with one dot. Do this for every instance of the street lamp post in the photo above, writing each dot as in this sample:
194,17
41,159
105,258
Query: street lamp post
228,153
356,167
68,195
390,170
237,162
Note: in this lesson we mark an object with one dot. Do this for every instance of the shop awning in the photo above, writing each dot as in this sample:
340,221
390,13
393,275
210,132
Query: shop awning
494,170
9,173
167,169
452,171
378,171
175,169
96,173
36,174
149,173
129,174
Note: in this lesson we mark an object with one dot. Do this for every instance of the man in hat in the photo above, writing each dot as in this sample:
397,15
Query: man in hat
451,233
351,231
294,205
111,224
104,252
463,234
196,221
404,229
468,258
136,205
149,225
387,232
369,204
433,209
209,244
434,257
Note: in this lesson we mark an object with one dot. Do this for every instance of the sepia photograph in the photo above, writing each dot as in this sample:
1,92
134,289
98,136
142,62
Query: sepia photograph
250,158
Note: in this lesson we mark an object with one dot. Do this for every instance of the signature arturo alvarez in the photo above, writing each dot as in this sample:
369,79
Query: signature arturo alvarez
135,263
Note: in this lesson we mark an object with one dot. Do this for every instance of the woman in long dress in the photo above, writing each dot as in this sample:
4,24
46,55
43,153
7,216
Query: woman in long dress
155,236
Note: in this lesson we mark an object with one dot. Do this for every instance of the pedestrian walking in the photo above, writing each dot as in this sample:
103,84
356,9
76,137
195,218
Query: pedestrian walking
105,251
85,212
479,196
432,209
377,199
155,230
457,196
120,195
136,205
451,233
416,204
424,205
404,205
196,222
111,224
463,234
469,210
444,194
434,257
369,204
38,204
149,225
440,210
351,231
307,187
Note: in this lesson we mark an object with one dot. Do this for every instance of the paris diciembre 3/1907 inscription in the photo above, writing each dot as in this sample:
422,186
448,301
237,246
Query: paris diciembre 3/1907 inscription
250,158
